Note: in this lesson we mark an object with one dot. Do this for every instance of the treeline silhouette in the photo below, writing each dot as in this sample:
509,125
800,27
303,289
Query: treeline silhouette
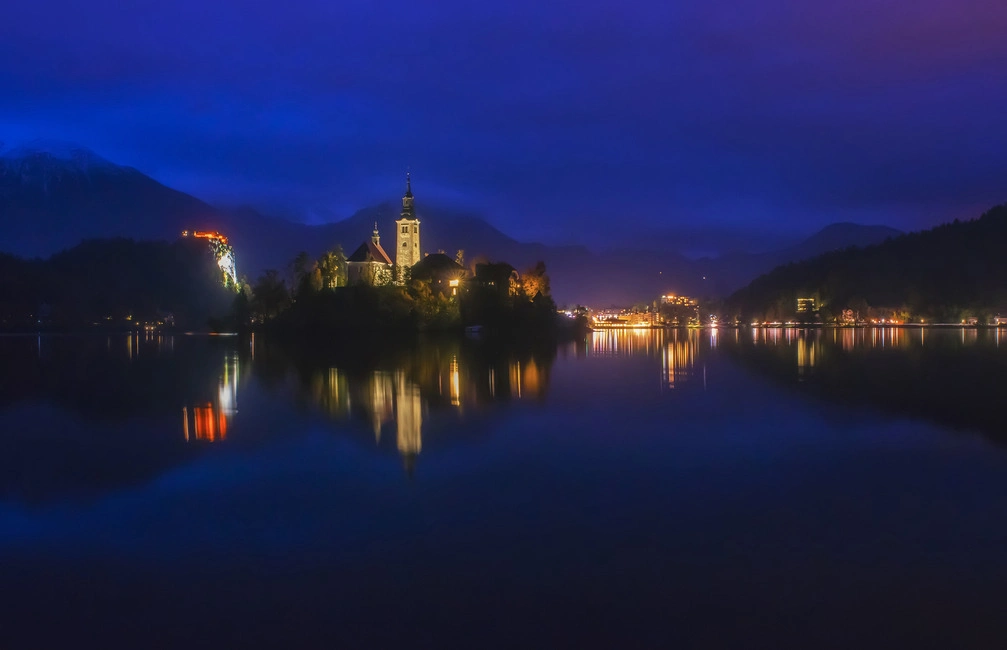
127,284
950,273
114,283
318,300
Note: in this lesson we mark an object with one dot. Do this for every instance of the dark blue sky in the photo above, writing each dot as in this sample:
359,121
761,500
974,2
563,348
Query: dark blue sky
577,121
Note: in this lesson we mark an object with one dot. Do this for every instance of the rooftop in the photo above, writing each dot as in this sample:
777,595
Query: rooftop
369,252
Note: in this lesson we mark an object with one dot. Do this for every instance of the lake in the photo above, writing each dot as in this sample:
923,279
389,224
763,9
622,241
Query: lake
716,488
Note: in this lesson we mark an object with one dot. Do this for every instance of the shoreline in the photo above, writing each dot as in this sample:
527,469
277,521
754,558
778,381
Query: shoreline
775,326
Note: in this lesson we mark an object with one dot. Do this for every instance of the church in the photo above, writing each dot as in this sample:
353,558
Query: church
370,264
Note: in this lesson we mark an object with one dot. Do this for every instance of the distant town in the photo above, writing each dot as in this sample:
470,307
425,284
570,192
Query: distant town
684,311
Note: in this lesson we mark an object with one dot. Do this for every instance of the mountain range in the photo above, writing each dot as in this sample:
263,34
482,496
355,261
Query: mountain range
53,195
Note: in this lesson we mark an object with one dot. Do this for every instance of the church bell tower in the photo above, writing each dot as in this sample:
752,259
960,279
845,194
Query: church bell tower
407,232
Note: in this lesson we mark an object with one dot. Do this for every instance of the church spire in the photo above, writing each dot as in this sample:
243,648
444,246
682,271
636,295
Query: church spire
375,237
407,200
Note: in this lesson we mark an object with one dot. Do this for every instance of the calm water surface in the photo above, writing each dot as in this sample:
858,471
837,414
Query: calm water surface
776,488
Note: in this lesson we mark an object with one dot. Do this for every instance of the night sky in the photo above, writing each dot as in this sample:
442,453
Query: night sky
560,121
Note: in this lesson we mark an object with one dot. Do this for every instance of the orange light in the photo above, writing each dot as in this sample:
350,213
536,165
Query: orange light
210,235
208,427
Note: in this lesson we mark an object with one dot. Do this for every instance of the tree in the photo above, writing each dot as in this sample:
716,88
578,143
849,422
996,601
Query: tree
535,281
332,266
241,309
383,275
301,267
432,310
269,295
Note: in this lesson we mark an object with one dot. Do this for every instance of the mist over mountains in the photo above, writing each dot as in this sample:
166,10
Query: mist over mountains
53,195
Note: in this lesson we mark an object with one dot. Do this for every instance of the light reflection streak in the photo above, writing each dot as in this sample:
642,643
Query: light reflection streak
396,402
679,357
409,417
455,390
210,421
626,342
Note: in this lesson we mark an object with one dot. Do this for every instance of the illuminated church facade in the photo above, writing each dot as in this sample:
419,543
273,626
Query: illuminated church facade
407,232
371,264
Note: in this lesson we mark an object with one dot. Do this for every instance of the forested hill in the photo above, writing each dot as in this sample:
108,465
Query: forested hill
946,274
113,283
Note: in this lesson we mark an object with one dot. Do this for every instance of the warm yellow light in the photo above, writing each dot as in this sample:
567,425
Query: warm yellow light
453,283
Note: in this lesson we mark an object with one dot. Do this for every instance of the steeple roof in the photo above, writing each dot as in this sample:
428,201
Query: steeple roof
408,211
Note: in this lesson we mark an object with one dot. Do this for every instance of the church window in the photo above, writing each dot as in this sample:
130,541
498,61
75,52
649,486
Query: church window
405,229
416,228
404,244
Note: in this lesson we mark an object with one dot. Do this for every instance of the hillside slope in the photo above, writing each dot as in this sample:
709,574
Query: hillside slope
948,273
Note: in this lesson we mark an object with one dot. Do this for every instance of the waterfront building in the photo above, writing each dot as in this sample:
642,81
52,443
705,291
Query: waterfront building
806,305
444,274
499,277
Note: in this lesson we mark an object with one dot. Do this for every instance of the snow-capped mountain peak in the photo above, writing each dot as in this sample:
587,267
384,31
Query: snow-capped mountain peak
43,164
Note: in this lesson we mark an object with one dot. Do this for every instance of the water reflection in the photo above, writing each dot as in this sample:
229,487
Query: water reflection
209,421
807,352
87,413
679,355
330,391
409,418
387,399
404,394
121,376
378,400
712,480
950,375
413,398
631,342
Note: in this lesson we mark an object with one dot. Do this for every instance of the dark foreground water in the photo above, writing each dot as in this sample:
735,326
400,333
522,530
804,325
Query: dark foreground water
736,489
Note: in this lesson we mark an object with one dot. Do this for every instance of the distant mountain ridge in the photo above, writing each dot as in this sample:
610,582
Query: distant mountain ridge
730,272
51,198
843,235
53,195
